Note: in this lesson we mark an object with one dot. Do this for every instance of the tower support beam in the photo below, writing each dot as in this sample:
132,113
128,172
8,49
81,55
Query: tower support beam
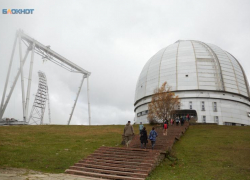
29,83
22,80
88,100
13,85
48,105
79,90
8,75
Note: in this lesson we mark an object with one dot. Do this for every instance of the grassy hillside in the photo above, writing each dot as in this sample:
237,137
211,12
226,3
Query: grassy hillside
53,148
204,152
208,152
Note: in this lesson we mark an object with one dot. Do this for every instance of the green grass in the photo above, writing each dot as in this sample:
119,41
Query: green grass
204,152
208,152
53,148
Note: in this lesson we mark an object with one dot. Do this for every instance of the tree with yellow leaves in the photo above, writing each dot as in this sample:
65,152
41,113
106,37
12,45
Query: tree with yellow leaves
163,103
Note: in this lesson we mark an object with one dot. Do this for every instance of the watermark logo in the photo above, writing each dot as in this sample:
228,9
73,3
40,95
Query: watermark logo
17,11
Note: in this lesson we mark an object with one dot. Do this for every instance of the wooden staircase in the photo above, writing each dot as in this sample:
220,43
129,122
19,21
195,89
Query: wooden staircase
131,163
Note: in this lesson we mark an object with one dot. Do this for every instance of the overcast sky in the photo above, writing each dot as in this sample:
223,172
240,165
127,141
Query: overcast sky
113,40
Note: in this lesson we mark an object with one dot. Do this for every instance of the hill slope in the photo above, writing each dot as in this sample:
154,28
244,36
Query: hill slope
208,152
53,148
204,152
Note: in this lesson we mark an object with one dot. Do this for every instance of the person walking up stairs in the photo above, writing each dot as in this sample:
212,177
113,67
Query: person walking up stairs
128,133
152,136
165,131
144,138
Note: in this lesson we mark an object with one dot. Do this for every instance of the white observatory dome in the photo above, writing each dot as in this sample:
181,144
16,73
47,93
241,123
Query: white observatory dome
199,73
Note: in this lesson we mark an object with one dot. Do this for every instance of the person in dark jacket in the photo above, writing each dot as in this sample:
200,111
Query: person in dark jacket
177,120
182,120
144,138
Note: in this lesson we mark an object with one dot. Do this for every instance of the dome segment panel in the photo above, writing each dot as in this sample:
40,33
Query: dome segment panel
240,76
228,70
201,51
209,70
141,83
206,67
153,72
186,67
168,66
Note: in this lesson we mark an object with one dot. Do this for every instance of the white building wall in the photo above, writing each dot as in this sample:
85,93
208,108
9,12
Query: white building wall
230,108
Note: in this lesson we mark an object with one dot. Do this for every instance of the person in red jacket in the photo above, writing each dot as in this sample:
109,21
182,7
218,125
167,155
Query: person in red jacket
165,129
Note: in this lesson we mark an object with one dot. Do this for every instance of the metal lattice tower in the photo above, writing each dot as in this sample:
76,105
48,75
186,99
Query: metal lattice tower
45,52
41,97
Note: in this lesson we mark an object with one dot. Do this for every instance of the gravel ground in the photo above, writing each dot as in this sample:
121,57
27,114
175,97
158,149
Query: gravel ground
25,174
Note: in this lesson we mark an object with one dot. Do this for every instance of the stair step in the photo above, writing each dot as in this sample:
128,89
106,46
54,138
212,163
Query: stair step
129,154
102,175
84,177
121,159
108,167
125,149
135,166
121,156
128,151
122,173
115,162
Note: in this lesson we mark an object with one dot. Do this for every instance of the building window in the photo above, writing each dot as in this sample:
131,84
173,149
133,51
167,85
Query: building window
190,105
142,113
203,105
215,106
204,119
179,106
216,119
228,124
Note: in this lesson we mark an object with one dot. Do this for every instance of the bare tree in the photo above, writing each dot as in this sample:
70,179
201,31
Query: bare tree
163,103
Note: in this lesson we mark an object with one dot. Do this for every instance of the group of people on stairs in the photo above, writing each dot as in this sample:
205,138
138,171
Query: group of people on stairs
129,133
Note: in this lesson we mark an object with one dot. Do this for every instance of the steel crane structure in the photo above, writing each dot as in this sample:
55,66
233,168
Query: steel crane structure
39,105
34,46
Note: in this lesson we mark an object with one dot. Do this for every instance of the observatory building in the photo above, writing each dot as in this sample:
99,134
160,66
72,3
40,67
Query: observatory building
210,82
